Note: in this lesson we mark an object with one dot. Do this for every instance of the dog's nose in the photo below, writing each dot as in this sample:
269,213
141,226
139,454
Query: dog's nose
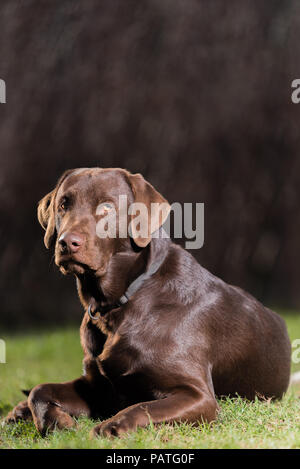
71,241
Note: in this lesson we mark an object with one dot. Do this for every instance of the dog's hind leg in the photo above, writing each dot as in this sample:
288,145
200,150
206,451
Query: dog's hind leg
20,412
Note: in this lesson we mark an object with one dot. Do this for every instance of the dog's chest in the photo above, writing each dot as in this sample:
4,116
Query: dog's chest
125,360
125,367
117,358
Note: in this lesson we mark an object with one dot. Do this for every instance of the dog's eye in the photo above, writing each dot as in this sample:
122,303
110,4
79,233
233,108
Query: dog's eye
107,207
63,205
104,208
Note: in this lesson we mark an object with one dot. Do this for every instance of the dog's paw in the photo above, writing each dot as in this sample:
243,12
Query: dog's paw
20,412
114,427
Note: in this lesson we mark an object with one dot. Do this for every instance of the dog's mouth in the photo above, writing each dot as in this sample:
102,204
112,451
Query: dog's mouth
73,267
69,265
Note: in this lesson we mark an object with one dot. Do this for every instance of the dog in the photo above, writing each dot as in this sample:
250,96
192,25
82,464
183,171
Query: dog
162,337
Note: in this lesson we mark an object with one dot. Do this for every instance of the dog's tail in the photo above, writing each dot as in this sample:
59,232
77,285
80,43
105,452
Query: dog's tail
295,378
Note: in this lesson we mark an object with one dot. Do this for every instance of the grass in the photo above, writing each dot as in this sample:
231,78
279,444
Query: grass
56,356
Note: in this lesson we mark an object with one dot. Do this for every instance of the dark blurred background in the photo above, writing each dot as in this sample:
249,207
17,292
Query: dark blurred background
194,94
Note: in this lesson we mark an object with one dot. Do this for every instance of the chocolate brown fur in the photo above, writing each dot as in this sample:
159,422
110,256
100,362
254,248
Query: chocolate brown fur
183,338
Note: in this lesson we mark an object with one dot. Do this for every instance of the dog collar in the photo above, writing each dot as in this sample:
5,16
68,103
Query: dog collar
131,290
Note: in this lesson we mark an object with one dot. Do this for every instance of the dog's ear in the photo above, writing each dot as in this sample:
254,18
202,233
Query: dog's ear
46,217
46,213
156,210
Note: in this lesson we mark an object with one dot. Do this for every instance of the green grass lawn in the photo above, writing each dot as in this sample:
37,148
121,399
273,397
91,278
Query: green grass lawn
56,356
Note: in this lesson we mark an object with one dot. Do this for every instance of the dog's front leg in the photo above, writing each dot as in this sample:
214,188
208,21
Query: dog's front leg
53,405
190,405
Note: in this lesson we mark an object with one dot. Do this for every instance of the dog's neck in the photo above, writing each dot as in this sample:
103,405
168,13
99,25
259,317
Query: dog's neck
123,268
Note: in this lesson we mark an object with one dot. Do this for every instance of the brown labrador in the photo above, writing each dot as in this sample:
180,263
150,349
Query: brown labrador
161,335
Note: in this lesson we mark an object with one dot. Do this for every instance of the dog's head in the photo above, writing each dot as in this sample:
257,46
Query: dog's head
87,220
